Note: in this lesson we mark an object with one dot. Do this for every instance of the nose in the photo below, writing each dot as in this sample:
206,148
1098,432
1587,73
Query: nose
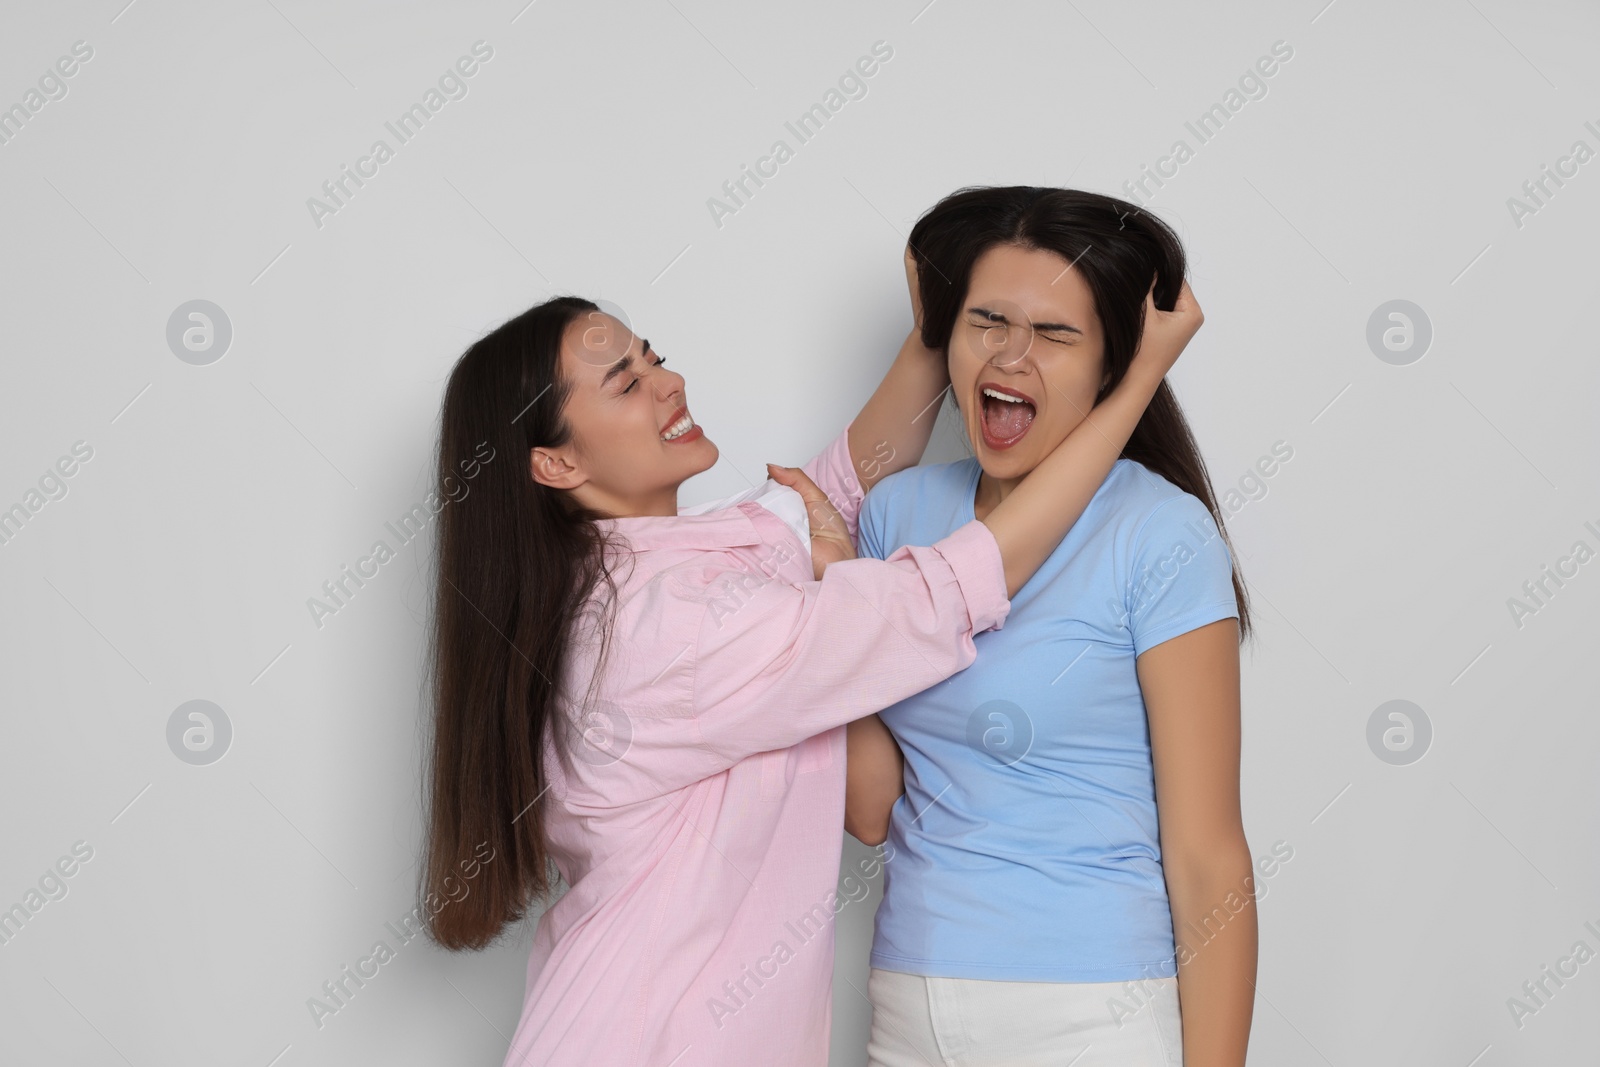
1008,342
667,382
1013,349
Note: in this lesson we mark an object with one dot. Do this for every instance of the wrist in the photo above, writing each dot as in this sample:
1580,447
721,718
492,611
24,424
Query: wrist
913,340
1143,378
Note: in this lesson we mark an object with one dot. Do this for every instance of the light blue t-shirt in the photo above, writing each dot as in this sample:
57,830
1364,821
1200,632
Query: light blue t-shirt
1026,846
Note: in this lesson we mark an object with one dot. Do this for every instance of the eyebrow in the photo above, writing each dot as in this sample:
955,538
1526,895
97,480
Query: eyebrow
622,364
1048,327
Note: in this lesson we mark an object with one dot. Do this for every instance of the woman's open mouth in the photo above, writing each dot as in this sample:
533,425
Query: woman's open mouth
1005,416
682,428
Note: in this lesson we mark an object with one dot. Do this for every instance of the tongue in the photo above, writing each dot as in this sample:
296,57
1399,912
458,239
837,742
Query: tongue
1006,420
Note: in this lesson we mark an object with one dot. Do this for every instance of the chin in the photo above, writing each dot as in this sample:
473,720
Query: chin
1008,467
1011,463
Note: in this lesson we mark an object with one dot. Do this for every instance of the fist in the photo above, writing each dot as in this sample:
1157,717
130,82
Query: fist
914,286
1166,333
830,541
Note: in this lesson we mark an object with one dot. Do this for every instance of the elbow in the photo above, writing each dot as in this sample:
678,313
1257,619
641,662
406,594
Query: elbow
1224,865
866,830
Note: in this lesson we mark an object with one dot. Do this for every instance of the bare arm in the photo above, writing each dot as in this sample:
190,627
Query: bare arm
874,779
1191,694
1032,519
893,428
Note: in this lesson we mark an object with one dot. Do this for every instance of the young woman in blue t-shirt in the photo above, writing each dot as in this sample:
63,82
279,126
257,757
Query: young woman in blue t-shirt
1066,853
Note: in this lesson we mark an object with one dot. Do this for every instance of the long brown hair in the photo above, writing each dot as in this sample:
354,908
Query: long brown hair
1118,248
516,562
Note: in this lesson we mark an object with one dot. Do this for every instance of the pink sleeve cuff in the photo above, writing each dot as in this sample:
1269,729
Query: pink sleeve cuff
835,474
974,556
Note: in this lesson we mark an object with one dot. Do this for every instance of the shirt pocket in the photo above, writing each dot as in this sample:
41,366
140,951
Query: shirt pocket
818,753
779,767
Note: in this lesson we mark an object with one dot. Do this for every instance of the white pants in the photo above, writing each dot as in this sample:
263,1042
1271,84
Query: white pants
968,1022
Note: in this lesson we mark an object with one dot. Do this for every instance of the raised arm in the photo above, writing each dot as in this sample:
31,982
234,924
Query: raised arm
1032,519
892,430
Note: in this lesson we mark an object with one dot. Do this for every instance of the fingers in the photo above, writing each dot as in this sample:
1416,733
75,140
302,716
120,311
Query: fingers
798,480
1185,302
820,511
1189,304
785,475
1165,334
913,287
1184,307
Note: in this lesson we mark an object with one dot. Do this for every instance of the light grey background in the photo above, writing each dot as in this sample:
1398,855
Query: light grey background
178,565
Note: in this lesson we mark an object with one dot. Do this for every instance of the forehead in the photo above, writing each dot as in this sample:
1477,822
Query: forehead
1043,284
594,341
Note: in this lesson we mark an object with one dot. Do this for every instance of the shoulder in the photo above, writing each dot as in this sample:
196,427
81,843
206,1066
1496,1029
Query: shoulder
927,481
1175,565
916,505
1151,521
1161,526
926,476
1142,503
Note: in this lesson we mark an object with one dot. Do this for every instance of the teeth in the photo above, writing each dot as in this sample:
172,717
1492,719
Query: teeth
1003,396
678,429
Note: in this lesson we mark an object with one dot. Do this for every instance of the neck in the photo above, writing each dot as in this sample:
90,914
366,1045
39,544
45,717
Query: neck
662,503
990,492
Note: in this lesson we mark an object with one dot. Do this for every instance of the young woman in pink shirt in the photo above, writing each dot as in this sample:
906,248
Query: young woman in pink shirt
654,700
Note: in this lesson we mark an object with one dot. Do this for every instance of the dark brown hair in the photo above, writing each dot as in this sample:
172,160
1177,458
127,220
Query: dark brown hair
516,564
1118,248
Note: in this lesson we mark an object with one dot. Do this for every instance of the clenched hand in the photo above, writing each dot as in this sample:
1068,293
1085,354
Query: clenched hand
830,541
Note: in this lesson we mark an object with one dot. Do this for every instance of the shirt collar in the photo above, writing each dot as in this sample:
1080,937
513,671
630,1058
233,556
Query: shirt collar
724,528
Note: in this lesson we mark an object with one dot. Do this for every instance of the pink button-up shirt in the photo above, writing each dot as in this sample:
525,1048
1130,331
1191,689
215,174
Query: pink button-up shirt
697,810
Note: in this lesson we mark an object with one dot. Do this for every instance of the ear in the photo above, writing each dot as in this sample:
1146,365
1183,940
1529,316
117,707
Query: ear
551,467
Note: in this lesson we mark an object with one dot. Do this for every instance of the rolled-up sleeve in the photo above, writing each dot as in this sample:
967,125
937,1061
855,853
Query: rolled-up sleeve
835,474
797,659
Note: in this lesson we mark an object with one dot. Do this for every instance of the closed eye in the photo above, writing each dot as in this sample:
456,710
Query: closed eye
985,320
990,318
660,360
